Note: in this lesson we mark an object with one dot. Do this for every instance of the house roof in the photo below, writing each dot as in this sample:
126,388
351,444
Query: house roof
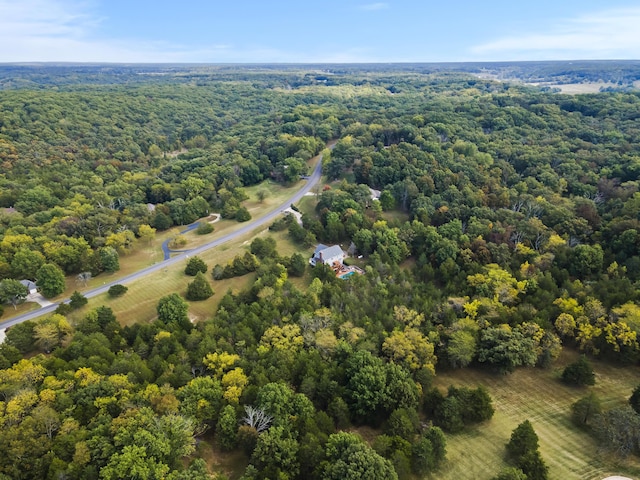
318,249
29,284
332,251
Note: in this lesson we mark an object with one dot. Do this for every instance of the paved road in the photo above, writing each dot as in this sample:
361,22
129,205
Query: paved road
313,179
166,251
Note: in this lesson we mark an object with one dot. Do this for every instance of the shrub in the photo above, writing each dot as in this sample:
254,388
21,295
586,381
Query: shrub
195,265
63,309
78,300
178,241
204,228
117,290
280,224
263,247
243,215
218,272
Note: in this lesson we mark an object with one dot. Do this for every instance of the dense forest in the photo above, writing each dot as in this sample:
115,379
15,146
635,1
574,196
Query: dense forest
507,229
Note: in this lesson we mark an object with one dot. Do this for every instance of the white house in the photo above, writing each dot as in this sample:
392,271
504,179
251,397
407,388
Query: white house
327,255
31,286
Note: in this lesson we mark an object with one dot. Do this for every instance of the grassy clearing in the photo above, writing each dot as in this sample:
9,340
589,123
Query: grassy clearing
9,311
539,396
578,88
147,254
307,205
231,464
139,303
395,217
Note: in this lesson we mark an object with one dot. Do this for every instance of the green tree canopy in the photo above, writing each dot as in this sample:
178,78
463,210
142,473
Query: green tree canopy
349,458
50,280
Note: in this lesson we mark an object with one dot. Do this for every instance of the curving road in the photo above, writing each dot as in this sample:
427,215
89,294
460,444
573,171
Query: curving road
166,251
311,181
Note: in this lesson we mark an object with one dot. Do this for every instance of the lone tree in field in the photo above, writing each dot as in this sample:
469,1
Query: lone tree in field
579,373
243,215
523,452
117,290
195,265
77,300
199,289
584,410
523,440
173,309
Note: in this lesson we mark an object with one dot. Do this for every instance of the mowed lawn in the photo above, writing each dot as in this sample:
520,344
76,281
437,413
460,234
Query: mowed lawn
539,396
139,303
146,254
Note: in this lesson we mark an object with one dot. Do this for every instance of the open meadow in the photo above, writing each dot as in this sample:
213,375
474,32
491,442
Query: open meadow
539,396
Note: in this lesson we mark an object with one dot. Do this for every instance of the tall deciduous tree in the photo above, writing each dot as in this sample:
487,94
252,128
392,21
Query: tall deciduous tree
173,309
349,458
26,262
12,291
146,233
50,280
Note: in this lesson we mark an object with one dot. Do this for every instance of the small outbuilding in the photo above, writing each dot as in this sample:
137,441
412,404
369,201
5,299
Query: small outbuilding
31,286
327,255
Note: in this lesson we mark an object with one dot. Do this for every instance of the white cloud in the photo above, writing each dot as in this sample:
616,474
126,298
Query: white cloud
610,34
374,6
68,31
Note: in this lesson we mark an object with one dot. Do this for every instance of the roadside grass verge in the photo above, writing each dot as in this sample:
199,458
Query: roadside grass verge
307,205
21,308
146,254
538,395
139,303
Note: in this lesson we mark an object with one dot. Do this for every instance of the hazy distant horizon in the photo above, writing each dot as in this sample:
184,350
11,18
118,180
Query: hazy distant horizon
287,32
308,64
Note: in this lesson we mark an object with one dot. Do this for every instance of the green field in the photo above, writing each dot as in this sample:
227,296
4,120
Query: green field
539,396
139,303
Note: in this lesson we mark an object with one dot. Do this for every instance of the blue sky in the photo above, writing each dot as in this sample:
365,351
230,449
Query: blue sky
330,31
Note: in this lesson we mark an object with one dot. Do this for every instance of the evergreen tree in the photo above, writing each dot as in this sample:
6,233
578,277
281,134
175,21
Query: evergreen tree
199,289
523,440
77,300
195,265
243,215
